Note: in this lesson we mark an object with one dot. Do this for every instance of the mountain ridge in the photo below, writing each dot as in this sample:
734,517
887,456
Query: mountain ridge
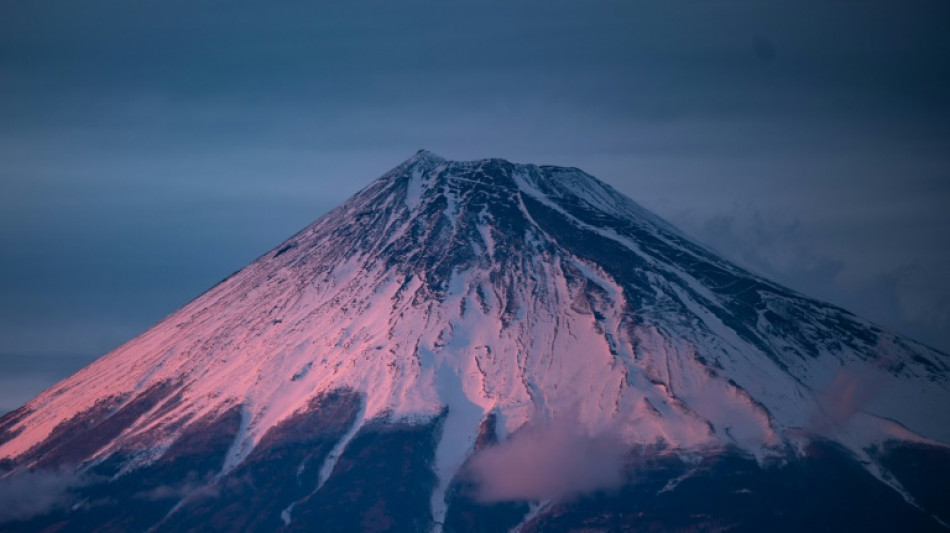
445,293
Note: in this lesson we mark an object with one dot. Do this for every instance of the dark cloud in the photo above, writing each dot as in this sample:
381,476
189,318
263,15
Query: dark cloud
878,282
763,47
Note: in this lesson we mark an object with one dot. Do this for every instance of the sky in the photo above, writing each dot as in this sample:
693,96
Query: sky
148,149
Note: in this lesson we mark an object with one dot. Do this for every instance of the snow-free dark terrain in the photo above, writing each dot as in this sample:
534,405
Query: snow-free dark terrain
488,346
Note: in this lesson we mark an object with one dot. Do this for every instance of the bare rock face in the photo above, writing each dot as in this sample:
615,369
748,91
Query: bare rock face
487,346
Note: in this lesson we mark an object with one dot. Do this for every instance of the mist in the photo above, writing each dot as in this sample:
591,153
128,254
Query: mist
851,390
555,460
28,494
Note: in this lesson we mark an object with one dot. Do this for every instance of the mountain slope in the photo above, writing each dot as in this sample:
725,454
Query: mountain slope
447,294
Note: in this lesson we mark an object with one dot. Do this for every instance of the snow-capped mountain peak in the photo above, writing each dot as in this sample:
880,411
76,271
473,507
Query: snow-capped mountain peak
534,295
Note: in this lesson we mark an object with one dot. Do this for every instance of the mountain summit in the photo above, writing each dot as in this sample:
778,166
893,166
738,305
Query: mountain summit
484,346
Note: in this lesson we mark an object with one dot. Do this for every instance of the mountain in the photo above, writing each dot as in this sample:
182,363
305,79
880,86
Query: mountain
485,346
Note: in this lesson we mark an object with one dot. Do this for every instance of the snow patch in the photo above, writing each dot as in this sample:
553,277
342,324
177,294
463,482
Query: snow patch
326,469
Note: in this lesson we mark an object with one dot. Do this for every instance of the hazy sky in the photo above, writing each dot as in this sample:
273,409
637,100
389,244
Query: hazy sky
148,149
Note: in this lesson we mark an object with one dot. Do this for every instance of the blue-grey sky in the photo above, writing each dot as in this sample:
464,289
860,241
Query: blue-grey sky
148,149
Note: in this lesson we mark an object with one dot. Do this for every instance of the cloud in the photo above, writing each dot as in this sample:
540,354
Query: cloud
924,308
549,461
24,495
771,244
893,288
764,48
189,490
851,390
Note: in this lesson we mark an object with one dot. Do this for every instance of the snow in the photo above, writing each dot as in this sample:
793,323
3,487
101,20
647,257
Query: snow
414,188
285,514
459,431
331,313
534,511
327,467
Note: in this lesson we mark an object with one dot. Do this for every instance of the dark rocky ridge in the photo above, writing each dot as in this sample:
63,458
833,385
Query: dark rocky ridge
385,477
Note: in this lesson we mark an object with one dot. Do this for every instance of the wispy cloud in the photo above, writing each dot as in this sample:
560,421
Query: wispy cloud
549,461
879,283
24,495
851,390
188,489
